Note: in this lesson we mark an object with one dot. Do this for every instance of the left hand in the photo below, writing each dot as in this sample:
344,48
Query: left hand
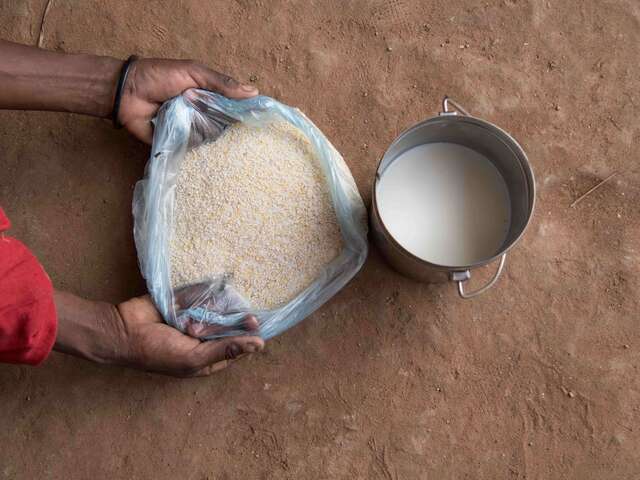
152,81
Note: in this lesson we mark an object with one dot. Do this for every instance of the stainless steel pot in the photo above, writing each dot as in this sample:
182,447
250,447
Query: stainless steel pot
457,126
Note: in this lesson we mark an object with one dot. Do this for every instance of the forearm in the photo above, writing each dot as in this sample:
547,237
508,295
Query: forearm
88,329
35,79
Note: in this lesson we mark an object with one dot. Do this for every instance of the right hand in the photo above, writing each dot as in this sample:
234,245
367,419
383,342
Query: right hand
154,345
133,334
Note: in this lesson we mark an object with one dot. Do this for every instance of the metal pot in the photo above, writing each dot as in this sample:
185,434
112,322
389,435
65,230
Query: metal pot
458,127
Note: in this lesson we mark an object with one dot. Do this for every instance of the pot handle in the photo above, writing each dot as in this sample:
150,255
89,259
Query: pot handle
446,101
461,277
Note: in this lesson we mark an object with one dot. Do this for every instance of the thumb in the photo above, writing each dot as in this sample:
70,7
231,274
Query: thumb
141,129
208,353
221,83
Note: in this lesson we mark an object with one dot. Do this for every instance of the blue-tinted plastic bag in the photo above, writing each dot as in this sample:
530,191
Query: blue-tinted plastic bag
200,116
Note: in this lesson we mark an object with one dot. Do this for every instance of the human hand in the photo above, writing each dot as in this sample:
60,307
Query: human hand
152,81
133,334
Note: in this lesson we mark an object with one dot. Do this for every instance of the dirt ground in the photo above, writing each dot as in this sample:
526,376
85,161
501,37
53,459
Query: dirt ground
392,379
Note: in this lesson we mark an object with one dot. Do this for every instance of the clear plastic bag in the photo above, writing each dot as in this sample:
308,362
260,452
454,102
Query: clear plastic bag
200,116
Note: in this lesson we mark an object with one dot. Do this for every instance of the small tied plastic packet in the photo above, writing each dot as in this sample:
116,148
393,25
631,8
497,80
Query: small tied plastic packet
214,308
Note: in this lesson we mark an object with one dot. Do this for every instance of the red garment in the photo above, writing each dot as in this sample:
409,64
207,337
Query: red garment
28,318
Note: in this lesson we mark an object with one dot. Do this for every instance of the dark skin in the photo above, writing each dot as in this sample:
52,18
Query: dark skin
132,333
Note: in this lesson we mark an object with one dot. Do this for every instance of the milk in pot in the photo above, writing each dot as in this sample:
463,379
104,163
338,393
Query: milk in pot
445,203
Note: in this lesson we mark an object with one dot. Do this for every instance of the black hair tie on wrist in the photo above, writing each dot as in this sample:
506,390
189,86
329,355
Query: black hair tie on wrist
119,89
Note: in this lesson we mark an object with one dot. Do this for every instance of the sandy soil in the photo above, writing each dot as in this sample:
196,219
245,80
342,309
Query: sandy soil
392,379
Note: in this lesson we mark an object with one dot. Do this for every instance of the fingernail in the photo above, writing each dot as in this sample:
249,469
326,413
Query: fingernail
233,351
248,88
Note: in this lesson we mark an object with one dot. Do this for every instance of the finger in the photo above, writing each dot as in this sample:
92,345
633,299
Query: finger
208,353
198,329
216,367
221,83
210,369
251,323
187,296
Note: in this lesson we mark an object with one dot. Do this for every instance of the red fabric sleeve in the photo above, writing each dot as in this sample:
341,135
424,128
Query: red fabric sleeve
27,312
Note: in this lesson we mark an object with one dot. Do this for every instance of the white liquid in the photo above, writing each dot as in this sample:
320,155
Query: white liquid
445,203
